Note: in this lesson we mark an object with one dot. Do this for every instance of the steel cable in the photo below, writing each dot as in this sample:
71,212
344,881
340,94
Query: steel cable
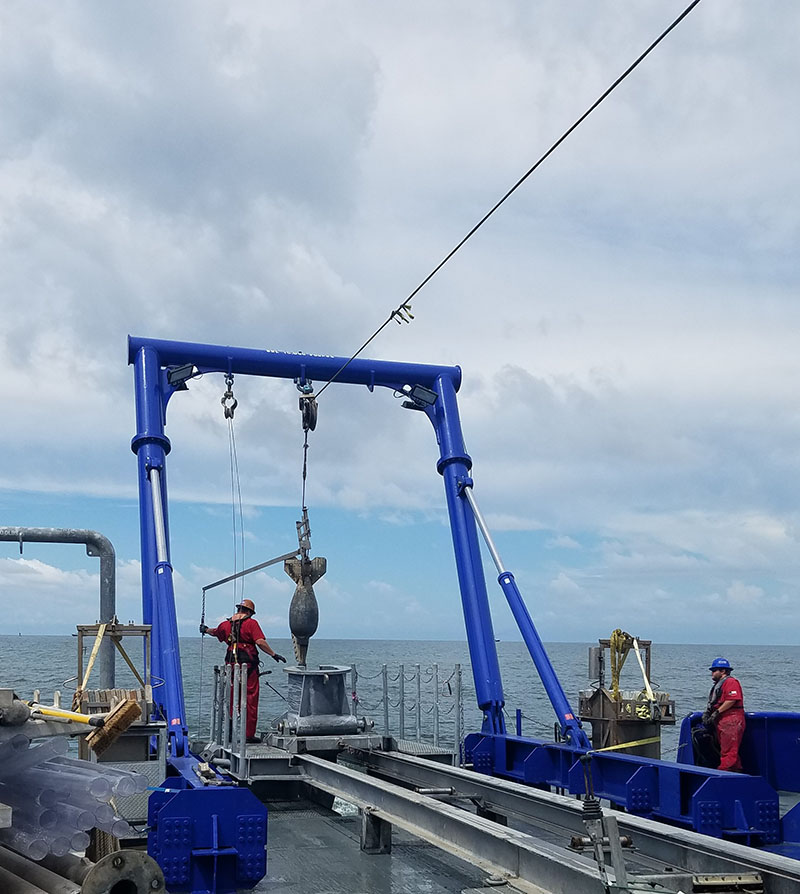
402,311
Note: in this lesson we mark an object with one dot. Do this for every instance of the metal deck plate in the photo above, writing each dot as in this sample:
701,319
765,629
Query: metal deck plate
313,851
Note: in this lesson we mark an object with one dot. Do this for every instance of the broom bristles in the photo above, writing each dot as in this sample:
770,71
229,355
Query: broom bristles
118,719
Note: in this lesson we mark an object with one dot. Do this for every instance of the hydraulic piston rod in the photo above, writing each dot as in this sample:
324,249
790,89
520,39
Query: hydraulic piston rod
570,725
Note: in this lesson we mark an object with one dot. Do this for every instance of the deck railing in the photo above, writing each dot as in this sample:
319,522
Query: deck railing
413,702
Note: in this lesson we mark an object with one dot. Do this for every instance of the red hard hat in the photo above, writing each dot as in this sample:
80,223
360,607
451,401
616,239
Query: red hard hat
246,604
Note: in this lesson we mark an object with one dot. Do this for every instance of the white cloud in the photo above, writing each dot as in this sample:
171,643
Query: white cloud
744,594
45,597
563,584
381,587
562,542
626,323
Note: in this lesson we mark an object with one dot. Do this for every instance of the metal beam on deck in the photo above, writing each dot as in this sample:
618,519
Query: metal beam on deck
669,845
530,864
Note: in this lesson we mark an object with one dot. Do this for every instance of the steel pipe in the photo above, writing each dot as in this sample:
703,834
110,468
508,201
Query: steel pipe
35,874
98,546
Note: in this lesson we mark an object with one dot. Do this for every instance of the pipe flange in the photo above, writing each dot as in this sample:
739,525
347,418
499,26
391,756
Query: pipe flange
141,874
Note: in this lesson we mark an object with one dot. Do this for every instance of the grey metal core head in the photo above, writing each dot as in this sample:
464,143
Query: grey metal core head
303,609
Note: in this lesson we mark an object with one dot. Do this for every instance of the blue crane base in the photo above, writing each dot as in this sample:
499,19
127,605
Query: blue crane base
207,840
734,806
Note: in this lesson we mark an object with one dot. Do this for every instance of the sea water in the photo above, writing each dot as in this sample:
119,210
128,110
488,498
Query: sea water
770,677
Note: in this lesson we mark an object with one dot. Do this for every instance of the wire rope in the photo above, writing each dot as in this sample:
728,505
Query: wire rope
305,469
402,312
202,645
231,454
239,504
238,542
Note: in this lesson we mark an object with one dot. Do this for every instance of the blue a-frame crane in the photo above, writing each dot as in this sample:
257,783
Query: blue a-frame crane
742,807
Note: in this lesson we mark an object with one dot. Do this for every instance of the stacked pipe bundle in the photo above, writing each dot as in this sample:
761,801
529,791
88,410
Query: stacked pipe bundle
56,800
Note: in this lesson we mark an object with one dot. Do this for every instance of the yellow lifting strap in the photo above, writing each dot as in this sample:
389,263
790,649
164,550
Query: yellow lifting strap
619,645
635,744
76,699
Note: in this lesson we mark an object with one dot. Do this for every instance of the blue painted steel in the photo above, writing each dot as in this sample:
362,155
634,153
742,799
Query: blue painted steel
770,747
570,725
207,840
281,365
454,465
151,357
151,446
726,805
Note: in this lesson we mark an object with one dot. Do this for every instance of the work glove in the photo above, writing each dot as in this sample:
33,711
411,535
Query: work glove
203,629
707,717
278,657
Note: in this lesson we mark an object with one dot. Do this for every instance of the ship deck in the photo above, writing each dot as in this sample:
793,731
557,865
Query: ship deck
312,850
450,830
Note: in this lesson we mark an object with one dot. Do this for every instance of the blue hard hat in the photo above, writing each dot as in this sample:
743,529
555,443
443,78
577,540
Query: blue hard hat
720,664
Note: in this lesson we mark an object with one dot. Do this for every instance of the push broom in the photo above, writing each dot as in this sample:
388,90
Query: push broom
106,728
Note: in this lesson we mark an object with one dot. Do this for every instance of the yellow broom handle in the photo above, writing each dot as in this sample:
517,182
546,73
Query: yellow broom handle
66,715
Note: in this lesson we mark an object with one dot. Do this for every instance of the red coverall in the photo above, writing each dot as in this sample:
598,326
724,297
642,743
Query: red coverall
730,724
249,634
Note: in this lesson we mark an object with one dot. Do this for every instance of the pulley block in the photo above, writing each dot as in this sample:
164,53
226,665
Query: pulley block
308,408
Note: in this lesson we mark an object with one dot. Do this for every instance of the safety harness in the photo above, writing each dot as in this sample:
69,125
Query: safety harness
716,693
234,655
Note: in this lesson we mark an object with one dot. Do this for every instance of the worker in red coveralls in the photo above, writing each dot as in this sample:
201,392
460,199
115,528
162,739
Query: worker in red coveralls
244,637
725,714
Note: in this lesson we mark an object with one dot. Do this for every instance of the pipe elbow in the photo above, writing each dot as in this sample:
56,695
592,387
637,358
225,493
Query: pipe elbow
99,546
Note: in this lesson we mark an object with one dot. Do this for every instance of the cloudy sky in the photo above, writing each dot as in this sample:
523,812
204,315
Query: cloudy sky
281,175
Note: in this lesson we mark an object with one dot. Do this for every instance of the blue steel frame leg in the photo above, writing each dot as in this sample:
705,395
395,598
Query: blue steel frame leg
454,466
151,445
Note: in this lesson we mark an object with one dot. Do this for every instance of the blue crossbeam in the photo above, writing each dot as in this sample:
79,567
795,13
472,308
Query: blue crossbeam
725,805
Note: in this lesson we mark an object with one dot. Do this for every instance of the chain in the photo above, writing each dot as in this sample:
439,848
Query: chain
370,676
